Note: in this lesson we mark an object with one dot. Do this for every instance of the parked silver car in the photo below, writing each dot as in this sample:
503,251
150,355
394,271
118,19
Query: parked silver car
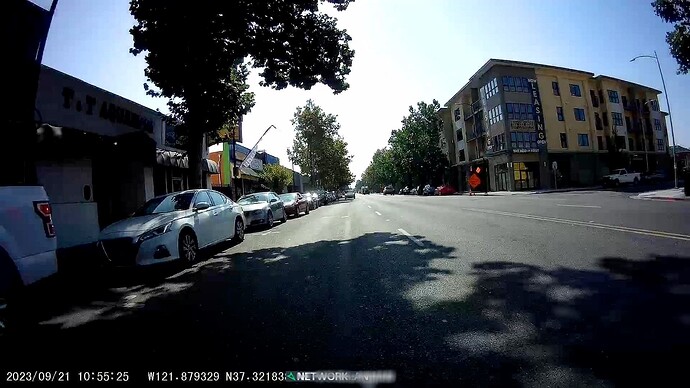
173,226
262,208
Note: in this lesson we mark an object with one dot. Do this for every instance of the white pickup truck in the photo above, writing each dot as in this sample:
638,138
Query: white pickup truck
622,176
27,240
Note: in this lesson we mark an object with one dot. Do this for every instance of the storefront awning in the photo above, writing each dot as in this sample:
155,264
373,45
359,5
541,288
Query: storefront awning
209,166
177,159
171,158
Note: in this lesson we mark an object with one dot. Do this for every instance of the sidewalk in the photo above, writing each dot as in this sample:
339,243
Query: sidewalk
508,193
671,195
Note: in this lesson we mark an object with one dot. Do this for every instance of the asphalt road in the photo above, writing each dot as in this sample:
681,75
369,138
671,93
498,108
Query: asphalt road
568,289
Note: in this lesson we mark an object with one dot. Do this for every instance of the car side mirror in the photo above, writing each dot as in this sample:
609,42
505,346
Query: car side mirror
273,200
202,206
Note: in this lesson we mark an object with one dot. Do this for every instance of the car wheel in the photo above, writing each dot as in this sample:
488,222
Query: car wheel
284,219
616,183
306,210
636,181
239,230
188,247
269,220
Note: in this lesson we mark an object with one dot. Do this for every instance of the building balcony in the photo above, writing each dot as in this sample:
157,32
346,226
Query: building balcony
476,107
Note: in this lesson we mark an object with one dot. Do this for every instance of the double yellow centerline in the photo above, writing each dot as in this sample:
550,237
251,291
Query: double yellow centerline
590,224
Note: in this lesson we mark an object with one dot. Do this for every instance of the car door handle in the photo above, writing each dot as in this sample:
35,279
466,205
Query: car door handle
215,213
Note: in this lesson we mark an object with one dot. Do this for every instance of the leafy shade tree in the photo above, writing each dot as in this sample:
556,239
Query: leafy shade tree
198,56
318,149
413,156
417,157
277,177
678,13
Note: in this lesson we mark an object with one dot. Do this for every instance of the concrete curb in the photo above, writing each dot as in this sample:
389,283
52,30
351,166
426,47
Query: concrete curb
661,198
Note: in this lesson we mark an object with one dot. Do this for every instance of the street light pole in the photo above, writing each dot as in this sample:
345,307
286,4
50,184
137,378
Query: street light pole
670,118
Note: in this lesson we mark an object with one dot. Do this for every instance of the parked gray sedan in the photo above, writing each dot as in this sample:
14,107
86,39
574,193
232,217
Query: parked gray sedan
262,208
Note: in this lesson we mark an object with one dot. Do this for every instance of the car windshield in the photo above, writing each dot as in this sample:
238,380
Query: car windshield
166,204
288,197
252,199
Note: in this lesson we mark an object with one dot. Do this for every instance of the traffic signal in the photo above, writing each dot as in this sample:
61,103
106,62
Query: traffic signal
478,170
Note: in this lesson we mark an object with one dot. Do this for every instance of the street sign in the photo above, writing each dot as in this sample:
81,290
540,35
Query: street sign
475,181
478,170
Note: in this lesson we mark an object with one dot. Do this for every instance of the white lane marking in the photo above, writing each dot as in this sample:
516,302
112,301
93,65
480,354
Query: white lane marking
344,216
387,220
646,232
411,237
377,213
588,206
369,206
272,232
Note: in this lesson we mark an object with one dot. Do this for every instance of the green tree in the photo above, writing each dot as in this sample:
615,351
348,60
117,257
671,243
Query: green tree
198,55
678,13
318,149
277,177
417,157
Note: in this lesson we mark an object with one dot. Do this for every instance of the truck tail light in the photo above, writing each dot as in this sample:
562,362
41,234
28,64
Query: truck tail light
44,211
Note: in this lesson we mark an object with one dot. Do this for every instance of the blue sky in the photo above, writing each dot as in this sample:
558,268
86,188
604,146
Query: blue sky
406,51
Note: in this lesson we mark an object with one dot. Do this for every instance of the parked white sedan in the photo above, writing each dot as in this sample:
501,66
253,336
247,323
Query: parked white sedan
173,226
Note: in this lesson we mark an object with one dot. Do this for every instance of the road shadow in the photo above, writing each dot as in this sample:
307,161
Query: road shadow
359,304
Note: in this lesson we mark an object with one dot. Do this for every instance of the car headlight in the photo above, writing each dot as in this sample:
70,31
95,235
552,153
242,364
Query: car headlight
156,232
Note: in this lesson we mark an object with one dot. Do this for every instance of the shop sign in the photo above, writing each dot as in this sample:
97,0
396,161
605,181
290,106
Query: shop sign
105,110
522,124
538,114
525,150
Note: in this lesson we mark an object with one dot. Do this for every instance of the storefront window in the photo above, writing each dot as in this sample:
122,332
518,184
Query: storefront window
524,175
502,180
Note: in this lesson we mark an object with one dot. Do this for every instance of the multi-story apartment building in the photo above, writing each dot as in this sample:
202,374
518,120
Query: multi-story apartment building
518,121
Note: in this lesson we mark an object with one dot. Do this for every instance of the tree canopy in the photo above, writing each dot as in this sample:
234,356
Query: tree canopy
277,177
413,156
678,13
318,149
198,55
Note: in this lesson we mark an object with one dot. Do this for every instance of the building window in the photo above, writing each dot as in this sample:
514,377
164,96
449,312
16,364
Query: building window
625,101
583,140
605,118
657,124
554,86
459,134
617,119
575,90
660,144
655,105
595,100
579,114
499,142
613,96
495,115
515,84
490,89
627,122
600,142
631,144
516,111
523,140
597,121
461,155
564,140
502,180
601,96
524,175
559,113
